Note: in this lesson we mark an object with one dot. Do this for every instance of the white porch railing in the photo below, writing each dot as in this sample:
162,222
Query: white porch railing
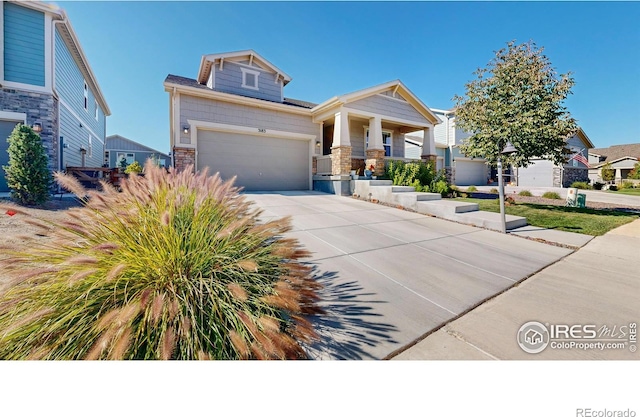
323,166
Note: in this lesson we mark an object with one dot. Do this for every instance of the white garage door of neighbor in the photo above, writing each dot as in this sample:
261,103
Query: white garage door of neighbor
260,163
471,173
538,174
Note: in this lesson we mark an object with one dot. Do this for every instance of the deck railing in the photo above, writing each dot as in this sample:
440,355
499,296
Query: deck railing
323,165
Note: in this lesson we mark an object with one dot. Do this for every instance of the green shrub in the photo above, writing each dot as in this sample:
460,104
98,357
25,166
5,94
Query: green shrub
607,173
423,177
525,193
634,174
581,185
176,265
493,191
551,195
626,185
472,188
134,168
27,174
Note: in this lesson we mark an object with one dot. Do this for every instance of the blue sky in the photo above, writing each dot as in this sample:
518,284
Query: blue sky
332,48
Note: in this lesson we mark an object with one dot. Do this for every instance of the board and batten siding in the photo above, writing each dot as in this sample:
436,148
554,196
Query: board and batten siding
440,130
202,109
24,39
229,80
387,106
70,86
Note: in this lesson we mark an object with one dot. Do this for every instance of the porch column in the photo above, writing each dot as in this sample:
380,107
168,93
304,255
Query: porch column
429,146
341,146
375,149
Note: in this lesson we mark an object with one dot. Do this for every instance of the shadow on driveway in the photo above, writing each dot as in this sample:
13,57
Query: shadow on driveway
349,325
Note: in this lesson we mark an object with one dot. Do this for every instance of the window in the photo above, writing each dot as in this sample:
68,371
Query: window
250,78
96,109
387,141
86,96
128,157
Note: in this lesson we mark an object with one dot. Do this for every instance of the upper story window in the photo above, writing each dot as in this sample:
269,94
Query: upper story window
387,140
86,96
250,78
96,109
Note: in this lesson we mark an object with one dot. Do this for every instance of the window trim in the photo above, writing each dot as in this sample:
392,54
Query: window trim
86,97
90,148
245,72
96,109
126,157
390,144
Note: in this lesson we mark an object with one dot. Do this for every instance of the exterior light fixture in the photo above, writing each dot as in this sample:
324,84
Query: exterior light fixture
318,143
37,127
185,129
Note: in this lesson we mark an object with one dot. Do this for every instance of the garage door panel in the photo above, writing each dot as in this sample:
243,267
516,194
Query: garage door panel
471,173
260,163
538,174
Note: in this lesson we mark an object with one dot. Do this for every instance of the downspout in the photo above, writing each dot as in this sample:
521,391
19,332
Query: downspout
55,92
172,127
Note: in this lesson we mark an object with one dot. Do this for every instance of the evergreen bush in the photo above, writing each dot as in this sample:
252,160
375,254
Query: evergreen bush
27,174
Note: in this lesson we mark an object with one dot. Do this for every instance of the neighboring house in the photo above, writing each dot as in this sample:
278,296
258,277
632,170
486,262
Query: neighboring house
460,169
117,147
46,82
622,159
235,119
544,173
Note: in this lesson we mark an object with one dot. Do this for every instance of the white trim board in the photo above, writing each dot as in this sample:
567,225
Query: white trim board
84,125
13,116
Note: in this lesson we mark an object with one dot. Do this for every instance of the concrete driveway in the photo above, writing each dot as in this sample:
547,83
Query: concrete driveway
390,276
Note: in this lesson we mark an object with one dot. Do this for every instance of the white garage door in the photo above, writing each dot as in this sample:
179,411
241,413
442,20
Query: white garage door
470,173
539,174
260,163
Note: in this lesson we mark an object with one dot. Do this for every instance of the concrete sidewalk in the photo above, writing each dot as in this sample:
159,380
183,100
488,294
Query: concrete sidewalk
596,285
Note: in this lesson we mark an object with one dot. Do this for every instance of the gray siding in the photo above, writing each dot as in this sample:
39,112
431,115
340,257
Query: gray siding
440,130
357,136
412,151
70,87
198,108
74,138
388,106
575,144
229,80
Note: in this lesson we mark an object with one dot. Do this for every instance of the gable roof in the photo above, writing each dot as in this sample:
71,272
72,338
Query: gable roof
585,139
176,80
207,62
70,38
138,146
396,86
617,152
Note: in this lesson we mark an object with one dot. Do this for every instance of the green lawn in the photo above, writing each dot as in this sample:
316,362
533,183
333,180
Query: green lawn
570,219
628,191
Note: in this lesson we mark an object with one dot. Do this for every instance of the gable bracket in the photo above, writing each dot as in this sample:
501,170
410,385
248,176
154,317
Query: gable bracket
221,62
277,78
395,90
250,59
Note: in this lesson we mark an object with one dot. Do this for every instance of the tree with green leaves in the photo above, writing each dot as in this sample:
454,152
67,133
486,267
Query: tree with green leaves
634,174
518,99
28,174
607,173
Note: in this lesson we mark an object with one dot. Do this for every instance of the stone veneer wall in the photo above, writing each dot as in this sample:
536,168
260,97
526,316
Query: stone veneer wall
341,160
183,157
572,175
40,108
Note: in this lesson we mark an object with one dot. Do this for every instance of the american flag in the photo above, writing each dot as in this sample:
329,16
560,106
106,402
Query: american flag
580,158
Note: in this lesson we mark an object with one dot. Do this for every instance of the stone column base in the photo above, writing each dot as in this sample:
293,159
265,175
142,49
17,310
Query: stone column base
429,158
341,160
184,157
375,157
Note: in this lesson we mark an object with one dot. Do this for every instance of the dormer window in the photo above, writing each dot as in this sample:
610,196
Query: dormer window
250,79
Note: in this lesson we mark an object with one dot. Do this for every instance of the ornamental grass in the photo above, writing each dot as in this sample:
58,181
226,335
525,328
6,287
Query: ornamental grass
176,265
